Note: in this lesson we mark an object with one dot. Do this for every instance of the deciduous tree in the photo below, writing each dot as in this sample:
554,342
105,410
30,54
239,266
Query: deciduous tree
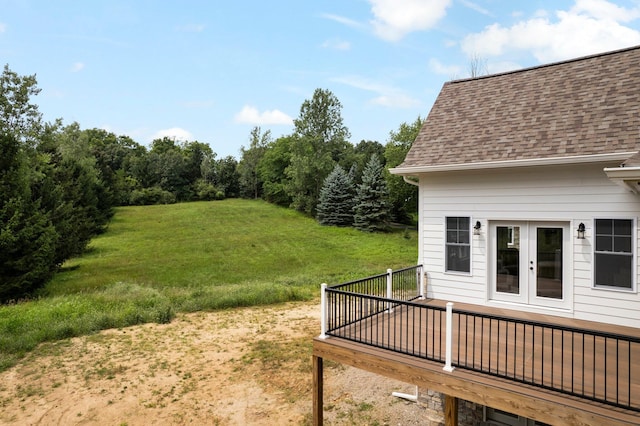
18,116
272,170
250,181
226,177
320,138
403,197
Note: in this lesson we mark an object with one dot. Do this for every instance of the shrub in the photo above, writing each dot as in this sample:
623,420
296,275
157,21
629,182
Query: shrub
149,196
206,191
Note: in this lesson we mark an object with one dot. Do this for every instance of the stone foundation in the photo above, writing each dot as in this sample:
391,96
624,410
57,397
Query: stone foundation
469,413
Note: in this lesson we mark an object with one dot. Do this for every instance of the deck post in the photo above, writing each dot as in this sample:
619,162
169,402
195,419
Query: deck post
422,283
449,337
323,311
450,410
389,288
318,408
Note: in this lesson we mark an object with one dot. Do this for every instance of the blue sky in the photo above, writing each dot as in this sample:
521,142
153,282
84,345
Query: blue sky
212,70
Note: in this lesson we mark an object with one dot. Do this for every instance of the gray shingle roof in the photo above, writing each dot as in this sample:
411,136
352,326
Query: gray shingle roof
586,106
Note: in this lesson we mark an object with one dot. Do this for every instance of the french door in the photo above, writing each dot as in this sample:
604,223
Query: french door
529,263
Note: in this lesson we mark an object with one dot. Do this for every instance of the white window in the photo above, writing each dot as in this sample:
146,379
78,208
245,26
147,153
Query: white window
458,244
613,258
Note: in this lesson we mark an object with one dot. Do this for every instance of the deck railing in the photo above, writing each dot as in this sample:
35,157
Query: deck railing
401,285
598,366
602,367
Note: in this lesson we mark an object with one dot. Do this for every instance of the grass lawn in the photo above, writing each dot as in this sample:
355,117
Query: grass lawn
155,261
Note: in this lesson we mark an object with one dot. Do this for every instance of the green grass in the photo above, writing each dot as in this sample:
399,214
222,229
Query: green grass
154,261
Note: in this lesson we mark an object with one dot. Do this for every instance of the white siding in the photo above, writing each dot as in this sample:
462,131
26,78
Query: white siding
571,194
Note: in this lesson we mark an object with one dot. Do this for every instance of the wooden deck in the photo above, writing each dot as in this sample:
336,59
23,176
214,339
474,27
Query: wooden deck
512,366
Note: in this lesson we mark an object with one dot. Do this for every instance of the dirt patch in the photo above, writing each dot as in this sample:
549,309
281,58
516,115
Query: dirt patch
237,367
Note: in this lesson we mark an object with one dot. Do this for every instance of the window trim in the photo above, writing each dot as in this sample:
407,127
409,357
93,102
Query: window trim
447,244
634,242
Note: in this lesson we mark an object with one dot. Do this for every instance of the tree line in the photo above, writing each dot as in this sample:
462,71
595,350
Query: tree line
59,184
292,170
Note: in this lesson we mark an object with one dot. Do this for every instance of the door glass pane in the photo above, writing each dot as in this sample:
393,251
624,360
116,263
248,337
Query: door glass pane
508,259
549,263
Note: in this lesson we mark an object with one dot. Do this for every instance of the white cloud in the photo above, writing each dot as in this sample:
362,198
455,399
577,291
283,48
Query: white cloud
438,67
396,100
502,66
336,44
174,133
363,83
77,67
605,10
387,96
455,72
590,26
450,43
476,7
251,115
393,19
342,20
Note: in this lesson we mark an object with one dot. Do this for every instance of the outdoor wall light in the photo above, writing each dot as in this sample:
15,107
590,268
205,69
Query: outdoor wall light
581,231
476,228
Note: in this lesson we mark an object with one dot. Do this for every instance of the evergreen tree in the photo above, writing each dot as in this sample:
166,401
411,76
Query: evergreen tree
27,237
371,205
336,201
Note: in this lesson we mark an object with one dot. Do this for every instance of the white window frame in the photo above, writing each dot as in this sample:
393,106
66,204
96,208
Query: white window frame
447,244
634,242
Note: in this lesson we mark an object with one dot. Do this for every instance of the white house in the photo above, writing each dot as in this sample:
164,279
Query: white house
529,188
529,197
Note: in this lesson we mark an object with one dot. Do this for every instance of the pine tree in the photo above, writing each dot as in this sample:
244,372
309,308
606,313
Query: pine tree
371,208
336,201
27,237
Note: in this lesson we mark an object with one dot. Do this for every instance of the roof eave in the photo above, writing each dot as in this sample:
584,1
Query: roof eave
598,158
627,177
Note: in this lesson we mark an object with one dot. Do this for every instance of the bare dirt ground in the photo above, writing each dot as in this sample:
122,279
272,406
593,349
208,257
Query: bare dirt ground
238,367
